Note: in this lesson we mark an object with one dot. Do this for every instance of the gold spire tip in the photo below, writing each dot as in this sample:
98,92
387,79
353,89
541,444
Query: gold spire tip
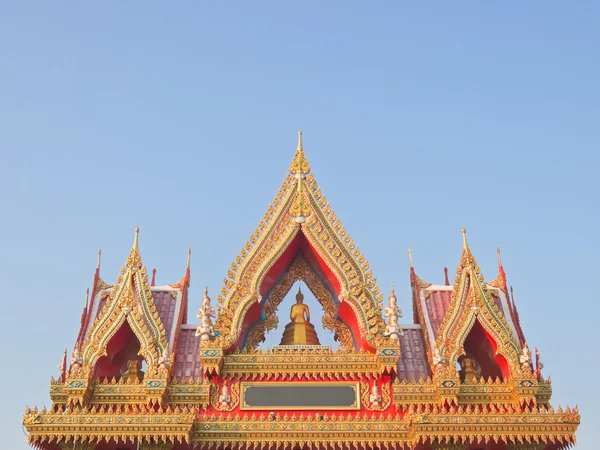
499,258
393,291
189,257
135,239
205,290
87,296
464,233
99,256
410,258
299,140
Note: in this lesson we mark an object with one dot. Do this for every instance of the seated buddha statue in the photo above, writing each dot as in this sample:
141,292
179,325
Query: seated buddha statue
133,371
300,331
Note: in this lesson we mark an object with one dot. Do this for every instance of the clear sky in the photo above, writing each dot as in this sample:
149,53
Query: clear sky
181,118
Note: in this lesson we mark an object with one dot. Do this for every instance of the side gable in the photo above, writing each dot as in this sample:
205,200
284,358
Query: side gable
130,301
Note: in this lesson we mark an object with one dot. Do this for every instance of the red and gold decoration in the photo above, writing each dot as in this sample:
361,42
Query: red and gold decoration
460,377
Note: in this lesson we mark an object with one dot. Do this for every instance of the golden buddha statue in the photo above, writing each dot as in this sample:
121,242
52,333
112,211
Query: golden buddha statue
299,331
133,372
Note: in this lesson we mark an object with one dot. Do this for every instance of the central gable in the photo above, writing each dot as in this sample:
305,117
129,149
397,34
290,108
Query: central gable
299,219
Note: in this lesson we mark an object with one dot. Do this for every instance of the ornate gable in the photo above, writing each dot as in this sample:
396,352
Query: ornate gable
299,212
471,302
130,301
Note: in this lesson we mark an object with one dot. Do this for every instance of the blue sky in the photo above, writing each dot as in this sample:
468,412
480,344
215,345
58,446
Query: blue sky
418,120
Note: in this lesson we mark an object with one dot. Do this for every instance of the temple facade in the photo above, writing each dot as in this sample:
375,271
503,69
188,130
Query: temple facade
461,376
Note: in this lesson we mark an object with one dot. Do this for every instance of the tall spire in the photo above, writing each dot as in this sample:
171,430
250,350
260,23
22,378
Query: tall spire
153,282
410,259
299,165
189,258
500,268
134,260
446,280
99,256
465,245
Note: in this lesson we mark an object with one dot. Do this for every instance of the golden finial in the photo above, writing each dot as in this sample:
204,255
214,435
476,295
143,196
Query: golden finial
135,239
189,257
410,258
464,233
87,297
393,292
299,165
99,256
206,291
499,259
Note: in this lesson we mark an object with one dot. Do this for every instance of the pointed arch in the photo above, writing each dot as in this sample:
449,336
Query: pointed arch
472,303
300,211
130,301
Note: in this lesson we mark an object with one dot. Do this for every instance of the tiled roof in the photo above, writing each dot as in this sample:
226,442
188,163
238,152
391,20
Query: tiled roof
413,364
437,302
187,355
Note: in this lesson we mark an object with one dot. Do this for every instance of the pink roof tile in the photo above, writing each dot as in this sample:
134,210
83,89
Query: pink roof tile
413,364
187,356
437,303
166,306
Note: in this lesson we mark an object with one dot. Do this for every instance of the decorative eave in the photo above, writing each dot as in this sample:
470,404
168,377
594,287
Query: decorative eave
471,301
299,206
131,301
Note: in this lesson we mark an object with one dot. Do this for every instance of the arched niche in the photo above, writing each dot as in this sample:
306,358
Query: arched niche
122,356
300,263
480,354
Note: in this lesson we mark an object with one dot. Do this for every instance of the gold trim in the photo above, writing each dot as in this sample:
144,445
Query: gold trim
353,384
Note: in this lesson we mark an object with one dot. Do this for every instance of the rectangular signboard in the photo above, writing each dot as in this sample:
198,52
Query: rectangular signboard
298,396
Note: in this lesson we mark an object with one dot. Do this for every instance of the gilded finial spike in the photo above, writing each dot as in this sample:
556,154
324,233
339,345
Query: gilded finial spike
464,233
99,256
135,239
499,259
87,296
205,291
410,258
189,257
299,140
393,291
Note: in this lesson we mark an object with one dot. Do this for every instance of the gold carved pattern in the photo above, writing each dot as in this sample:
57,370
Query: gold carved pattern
386,398
131,301
299,269
471,301
234,392
273,235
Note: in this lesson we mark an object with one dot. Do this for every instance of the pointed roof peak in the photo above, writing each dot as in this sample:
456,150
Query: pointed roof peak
87,296
410,258
299,165
99,257
189,258
134,260
446,280
499,259
464,234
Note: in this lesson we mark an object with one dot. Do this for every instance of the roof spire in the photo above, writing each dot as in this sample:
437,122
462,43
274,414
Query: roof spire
135,239
99,256
499,259
299,165
153,282
465,245
410,259
299,141
87,297
134,260
189,258
446,280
